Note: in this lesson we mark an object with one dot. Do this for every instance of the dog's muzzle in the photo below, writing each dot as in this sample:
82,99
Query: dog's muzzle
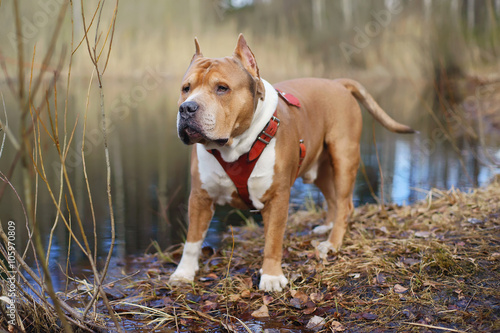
188,129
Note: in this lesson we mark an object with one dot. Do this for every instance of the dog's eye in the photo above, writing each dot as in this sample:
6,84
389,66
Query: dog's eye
221,89
185,89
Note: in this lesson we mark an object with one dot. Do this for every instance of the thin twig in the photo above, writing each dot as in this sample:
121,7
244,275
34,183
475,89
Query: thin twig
50,50
434,327
6,129
20,51
84,164
468,303
382,202
367,180
101,278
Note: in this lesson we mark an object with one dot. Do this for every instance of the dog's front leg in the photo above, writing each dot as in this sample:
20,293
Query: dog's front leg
275,215
200,212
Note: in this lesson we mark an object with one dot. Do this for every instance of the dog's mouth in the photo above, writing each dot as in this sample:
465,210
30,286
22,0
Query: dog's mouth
191,135
221,142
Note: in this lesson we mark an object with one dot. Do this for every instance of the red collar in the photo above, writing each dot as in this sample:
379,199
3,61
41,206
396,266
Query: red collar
240,170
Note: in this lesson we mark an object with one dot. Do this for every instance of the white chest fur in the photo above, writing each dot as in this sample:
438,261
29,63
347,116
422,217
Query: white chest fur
220,187
213,177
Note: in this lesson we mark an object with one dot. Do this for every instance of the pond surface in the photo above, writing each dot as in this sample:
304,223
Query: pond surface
150,166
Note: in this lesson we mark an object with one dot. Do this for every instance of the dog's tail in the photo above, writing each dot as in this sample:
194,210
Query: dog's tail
360,93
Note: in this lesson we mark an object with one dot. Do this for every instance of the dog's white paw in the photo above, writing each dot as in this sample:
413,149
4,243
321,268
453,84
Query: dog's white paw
325,247
272,282
322,229
188,266
182,276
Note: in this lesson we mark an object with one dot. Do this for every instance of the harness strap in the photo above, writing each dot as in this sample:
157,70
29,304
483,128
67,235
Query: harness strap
240,170
302,155
289,98
264,138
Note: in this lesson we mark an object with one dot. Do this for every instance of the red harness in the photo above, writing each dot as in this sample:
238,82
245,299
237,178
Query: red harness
240,170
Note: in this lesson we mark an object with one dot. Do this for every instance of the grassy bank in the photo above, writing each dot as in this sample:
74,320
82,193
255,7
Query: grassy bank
429,267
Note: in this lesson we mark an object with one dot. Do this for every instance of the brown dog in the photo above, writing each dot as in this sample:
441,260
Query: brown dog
225,107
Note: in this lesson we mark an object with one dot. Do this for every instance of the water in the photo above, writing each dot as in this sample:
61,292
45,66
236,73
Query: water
150,167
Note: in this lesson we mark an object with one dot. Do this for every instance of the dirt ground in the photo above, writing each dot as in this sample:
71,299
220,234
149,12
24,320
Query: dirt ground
429,267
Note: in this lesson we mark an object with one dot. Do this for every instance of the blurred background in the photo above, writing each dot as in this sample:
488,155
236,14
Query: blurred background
433,65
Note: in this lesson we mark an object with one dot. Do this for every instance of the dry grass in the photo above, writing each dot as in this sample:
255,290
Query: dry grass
429,267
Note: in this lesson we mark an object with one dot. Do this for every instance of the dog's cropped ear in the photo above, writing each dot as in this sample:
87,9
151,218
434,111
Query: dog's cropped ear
247,58
243,52
197,53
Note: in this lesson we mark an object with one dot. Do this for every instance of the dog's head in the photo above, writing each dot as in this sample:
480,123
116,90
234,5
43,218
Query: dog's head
219,96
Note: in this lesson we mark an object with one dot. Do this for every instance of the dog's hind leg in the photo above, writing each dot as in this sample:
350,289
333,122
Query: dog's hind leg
324,181
336,181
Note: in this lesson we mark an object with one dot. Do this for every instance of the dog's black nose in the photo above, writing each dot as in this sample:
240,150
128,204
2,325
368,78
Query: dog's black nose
188,108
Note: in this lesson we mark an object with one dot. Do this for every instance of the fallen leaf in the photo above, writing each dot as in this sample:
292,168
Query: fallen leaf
207,251
316,297
432,284
267,299
209,306
5,299
380,278
369,316
295,276
473,220
229,327
262,312
300,295
153,272
400,289
193,298
408,314
296,303
245,294
309,310
494,256
316,323
247,282
422,234
209,277
269,330
335,326
411,261
167,301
